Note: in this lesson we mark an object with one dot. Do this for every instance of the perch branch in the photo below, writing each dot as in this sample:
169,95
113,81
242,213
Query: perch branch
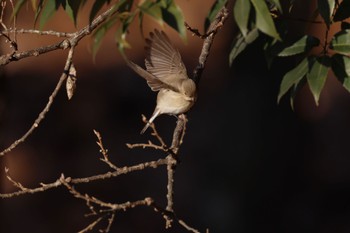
217,23
179,131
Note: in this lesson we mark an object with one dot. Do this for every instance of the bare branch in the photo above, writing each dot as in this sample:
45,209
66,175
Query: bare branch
91,226
146,145
104,151
170,190
217,23
155,132
110,222
58,182
150,144
71,42
39,32
171,215
43,113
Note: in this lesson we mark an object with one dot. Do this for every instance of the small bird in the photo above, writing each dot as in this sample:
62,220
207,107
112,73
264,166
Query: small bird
166,73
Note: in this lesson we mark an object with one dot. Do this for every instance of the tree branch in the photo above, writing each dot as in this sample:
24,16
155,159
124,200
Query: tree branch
217,23
71,41
179,131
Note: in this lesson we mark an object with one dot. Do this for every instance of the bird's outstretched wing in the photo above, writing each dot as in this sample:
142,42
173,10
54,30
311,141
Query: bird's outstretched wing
163,60
154,83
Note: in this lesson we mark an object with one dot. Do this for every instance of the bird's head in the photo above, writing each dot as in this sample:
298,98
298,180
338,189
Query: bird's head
188,88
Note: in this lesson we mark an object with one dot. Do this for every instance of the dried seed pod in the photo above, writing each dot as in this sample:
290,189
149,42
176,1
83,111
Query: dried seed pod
71,81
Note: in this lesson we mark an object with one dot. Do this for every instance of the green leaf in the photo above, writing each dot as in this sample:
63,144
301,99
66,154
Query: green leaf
294,91
291,5
303,45
123,7
18,7
126,20
96,7
49,9
216,7
271,49
99,34
72,9
120,38
173,16
293,77
240,43
341,42
343,11
140,22
325,8
38,10
341,69
34,5
241,12
318,75
264,20
152,9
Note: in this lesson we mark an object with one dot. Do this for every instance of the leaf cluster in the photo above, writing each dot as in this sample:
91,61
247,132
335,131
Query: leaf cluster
255,17
128,11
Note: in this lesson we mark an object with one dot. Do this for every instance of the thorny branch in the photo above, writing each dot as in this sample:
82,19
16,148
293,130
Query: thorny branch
99,208
70,42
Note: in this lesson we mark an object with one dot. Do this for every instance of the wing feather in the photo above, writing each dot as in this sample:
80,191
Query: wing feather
163,60
154,83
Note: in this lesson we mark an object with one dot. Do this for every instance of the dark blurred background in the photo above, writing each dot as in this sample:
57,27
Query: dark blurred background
248,164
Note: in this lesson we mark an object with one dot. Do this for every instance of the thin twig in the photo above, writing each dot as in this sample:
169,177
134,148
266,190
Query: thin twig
110,222
104,151
146,145
91,226
14,25
171,215
155,132
150,144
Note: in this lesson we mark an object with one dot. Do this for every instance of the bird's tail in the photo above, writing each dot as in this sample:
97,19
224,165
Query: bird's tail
154,115
145,128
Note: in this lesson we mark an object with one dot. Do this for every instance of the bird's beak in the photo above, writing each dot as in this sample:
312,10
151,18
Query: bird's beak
191,99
